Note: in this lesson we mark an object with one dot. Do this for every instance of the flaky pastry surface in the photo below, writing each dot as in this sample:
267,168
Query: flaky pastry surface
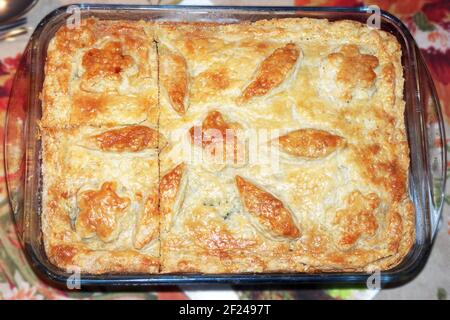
127,104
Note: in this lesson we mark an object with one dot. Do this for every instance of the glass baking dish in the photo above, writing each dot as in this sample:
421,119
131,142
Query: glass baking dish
23,163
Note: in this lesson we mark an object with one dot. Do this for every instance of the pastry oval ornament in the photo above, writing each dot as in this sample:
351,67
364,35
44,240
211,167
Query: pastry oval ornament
272,72
160,204
147,228
100,211
171,192
310,143
268,210
175,79
128,139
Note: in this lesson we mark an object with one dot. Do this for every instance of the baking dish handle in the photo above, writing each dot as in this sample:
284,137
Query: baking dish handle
15,141
435,144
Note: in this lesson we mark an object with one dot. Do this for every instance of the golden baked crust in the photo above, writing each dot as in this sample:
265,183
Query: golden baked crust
273,146
330,96
101,73
94,201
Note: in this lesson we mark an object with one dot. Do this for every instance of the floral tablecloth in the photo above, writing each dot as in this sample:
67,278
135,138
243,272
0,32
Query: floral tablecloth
428,21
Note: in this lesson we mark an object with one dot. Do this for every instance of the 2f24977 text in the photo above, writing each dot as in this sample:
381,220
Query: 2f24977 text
236,309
